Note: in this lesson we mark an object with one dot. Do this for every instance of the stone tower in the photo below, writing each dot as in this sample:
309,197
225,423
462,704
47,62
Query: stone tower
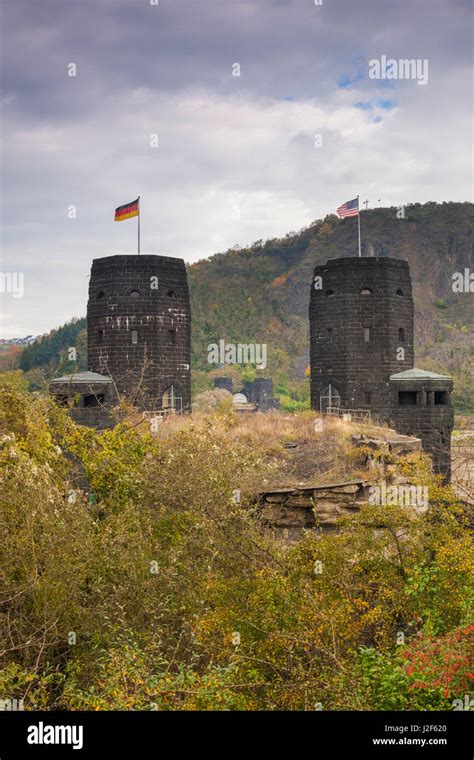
361,313
362,356
139,329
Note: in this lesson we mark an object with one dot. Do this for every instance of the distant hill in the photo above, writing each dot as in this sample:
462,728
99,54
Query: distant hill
50,352
260,294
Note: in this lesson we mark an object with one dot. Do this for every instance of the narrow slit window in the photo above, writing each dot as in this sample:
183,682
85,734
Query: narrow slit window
367,397
367,334
100,336
401,334
172,334
134,337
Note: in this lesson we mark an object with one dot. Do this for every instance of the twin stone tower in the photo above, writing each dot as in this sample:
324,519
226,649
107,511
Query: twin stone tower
361,346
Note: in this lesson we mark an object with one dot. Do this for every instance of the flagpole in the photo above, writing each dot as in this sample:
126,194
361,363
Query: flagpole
139,226
358,223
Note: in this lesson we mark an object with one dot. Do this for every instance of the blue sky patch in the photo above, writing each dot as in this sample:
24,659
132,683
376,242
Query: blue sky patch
387,105
346,81
369,105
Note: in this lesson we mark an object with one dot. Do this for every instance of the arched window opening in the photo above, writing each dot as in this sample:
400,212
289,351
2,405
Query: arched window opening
329,292
366,292
171,294
171,400
330,397
100,295
134,294
399,292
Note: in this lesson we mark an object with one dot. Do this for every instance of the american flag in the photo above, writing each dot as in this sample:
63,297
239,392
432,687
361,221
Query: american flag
349,208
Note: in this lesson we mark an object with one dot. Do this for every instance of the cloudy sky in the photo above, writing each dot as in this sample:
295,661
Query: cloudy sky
238,157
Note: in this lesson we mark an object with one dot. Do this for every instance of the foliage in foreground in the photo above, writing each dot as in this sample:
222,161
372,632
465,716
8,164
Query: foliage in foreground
164,592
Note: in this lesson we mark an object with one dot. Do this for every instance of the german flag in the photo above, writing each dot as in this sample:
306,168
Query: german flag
127,211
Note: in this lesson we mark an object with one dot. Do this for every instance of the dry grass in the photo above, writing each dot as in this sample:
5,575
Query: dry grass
297,453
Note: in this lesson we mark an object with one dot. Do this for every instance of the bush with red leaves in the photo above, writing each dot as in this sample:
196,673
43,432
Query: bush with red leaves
444,663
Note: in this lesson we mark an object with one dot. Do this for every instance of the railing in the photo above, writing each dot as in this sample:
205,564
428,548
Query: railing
349,414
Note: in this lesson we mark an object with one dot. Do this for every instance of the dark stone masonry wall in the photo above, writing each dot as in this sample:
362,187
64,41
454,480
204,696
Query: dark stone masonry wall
340,312
139,327
100,418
